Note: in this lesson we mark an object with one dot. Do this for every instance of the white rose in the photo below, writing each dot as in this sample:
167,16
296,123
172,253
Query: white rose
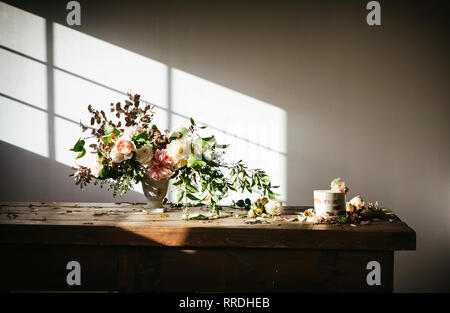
96,167
198,148
357,202
274,208
178,150
116,156
144,155
251,213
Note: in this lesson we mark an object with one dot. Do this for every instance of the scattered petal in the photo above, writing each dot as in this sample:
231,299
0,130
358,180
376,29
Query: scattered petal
252,221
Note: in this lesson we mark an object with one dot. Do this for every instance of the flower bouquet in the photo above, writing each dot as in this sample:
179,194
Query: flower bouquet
131,150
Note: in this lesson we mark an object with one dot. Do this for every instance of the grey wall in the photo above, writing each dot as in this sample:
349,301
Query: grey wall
370,104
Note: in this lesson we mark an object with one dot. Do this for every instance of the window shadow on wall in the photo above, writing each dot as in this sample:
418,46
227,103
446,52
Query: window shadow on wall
52,77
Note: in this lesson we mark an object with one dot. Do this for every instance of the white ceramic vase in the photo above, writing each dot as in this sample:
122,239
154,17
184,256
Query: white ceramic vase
155,191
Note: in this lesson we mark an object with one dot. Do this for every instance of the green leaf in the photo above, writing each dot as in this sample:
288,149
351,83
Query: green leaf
247,186
81,154
104,173
192,122
204,185
208,142
192,197
197,217
253,181
199,164
178,182
180,196
141,136
142,139
194,163
79,146
133,203
191,189
106,138
240,203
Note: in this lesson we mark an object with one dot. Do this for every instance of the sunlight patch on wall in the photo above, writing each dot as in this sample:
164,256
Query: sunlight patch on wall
72,96
229,110
23,32
109,65
23,79
255,130
23,126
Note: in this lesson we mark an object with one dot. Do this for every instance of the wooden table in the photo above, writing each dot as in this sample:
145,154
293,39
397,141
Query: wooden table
121,247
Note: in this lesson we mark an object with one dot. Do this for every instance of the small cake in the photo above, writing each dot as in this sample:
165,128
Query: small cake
328,203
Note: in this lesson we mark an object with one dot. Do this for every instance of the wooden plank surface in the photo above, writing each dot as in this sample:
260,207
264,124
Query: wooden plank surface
156,269
129,224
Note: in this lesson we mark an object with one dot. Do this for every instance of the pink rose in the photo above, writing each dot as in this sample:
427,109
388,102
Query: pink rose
125,146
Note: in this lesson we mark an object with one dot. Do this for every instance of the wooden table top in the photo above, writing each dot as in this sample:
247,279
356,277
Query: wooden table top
128,224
